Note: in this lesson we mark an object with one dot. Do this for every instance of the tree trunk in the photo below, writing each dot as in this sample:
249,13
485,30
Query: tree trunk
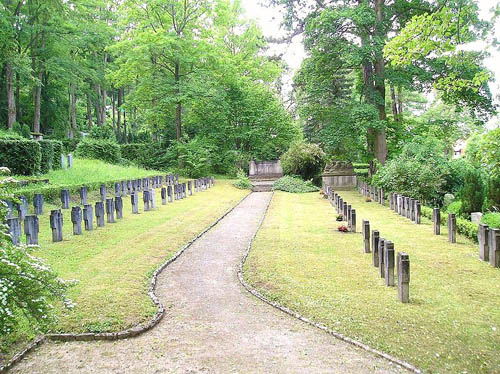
113,108
103,107
380,135
394,104
89,111
400,103
38,88
72,123
98,113
119,112
11,102
178,114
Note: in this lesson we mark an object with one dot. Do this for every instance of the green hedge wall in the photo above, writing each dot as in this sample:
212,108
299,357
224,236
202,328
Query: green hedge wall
47,155
58,150
22,157
104,150
135,152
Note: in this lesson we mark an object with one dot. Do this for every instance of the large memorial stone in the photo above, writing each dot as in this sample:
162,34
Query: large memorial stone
134,199
366,236
14,230
56,224
65,199
99,213
31,229
38,204
483,239
381,257
146,198
76,219
494,247
436,220
102,192
389,263
375,246
119,207
452,228
83,195
403,266
88,217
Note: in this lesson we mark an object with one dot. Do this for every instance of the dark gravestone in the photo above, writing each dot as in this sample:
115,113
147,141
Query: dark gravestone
118,189
418,212
22,208
403,265
160,180
376,194
494,247
139,184
169,193
146,198
366,236
83,195
102,191
145,184
407,207
38,203
184,190
110,210
483,239
213,181
119,207
56,224
196,182
99,213
70,161
389,263
177,178
353,220
124,188
14,230
452,228
129,186
152,196
381,257
344,211
436,219
31,228
190,188
76,219
65,199
349,209
163,196
134,199
88,217
375,240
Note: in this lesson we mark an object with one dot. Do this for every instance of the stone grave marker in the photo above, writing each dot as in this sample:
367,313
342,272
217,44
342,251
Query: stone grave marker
436,220
418,212
190,188
403,266
99,213
38,203
163,196
381,257
110,210
102,192
483,241
494,247
124,188
31,229
88,217
134,199
14,230
22,208
118,189
353,220
65,199
452,228
119,207
76,219
152,195
169,193
70,161
366,236
389,263
83,195
146,198
375,246
56,224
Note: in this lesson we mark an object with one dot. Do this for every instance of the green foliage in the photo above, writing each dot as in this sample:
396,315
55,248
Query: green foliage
455,207
472,192
304,159
193,156
26,131
456,172
492,220
58,150
490,151
28,286
294,184
134,152
47,155
102,133
22,157
69,145
467,228
10,135
492,201
104,150
243,183
16,128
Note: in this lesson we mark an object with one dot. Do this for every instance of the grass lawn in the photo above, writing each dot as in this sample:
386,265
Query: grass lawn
113,265
452,324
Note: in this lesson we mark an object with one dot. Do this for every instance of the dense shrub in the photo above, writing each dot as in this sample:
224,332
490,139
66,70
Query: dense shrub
104,150
26,131
490,153
136,152
47,155
455,207
492,201
243,183
102,133
455,174
294,184
304,159
194,156
491,219
16,128
10,135
472,192
57,146
22,157
69,145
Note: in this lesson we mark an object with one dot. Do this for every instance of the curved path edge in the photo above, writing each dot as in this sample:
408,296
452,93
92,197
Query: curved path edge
131,331
320,326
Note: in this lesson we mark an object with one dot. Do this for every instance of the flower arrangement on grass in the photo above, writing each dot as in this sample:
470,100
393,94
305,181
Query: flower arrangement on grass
368,200
340,217
343,229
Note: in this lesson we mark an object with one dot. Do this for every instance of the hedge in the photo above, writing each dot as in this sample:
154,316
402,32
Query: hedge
47,155
104,150
134,152
464,227
22,157
58,151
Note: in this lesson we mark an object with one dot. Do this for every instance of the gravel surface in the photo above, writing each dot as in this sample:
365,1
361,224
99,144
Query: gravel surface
213,325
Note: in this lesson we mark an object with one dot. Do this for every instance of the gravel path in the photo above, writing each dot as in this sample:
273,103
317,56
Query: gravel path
213,325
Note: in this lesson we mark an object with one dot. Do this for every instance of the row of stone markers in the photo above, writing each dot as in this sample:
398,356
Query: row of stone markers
106,209
374,193
383,253
343,208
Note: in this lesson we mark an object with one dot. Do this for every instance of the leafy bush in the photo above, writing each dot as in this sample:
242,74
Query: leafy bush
57,147
455,207
467,228
490,151
16,128
243,183
47,155
22,157
10,135
136,152
102,133
492,220
455,174
194,156
27,285
26,131
104,150
492,201
304,159
69,145
294,184
472,192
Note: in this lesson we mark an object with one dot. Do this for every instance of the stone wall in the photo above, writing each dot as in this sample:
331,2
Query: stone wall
264,169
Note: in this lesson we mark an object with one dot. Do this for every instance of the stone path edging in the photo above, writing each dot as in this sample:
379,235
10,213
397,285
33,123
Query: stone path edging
132,331
290,312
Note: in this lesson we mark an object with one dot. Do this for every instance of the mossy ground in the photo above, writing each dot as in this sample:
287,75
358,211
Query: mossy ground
452,324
